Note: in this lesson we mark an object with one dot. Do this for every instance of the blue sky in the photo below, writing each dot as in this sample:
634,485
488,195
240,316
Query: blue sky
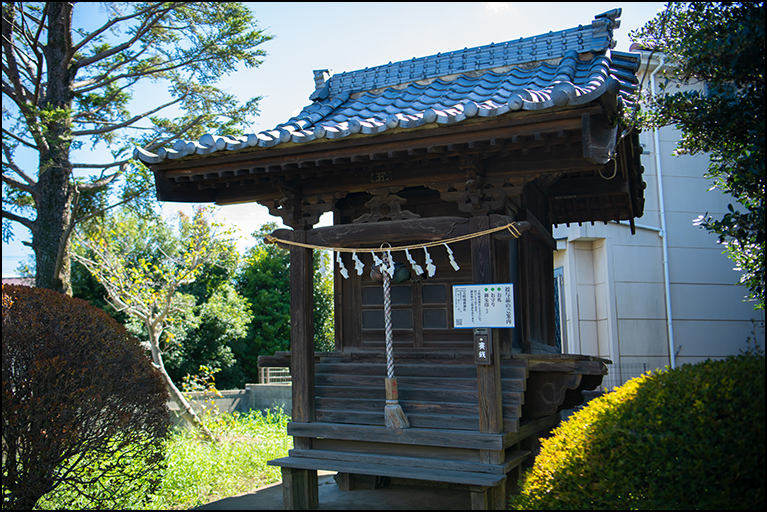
349,36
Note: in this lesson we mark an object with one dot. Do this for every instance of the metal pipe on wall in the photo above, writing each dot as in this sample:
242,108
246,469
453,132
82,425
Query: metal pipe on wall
663,233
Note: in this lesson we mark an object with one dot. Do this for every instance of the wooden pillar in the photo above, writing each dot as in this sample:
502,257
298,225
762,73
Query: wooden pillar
299,489
488,376
302,335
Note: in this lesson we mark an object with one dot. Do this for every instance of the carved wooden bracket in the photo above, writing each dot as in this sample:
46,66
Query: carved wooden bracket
480,193
300,211
546,391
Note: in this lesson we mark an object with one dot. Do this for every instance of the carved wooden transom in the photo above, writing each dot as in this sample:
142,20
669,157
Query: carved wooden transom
385,205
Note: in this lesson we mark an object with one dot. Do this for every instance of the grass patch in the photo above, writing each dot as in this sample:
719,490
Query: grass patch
199,471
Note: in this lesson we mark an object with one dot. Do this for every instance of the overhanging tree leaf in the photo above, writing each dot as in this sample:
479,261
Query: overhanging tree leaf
720,47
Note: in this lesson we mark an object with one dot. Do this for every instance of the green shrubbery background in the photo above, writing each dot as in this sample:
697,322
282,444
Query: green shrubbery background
691,438
199,471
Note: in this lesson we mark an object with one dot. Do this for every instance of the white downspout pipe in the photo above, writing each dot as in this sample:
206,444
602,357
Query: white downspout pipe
663,233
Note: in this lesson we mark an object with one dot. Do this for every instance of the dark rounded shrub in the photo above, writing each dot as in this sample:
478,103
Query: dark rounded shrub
84,411
691,438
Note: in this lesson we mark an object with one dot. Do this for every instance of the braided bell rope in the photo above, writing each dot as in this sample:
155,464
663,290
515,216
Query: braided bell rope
387,320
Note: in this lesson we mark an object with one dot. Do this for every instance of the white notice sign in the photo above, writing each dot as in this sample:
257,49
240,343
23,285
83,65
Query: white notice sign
483,305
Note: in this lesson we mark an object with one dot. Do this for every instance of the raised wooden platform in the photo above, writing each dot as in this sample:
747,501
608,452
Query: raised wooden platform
438,455
439,394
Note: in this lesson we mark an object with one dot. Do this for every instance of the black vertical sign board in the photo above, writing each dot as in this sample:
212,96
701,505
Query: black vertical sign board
483,345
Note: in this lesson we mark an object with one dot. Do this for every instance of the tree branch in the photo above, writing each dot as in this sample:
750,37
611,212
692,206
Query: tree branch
39,55
29,118
21,220
109,24
152,71
143,29
16,183
15,168
103,182
34,43
11,69
101,166
106,73
16,137
127,200
177,135
125,123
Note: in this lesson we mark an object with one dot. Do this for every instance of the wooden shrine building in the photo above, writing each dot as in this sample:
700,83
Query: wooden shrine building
526,132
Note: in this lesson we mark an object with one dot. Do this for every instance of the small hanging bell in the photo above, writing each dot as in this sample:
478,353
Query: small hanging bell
375,274
400,275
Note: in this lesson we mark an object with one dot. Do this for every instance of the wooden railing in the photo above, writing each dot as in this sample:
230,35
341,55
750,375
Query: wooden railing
274,376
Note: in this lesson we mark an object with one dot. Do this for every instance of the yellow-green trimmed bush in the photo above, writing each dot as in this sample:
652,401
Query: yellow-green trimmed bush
692,438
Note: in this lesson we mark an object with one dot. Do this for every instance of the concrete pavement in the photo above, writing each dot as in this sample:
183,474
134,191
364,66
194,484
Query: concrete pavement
392,497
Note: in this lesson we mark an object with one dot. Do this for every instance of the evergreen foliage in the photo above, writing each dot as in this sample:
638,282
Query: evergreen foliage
71,75
205,335
265,281
688,438
720,47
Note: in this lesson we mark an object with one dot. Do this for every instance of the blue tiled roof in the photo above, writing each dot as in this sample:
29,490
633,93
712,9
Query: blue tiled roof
570,67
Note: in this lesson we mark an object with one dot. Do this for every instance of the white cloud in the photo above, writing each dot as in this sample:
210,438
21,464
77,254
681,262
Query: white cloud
498,7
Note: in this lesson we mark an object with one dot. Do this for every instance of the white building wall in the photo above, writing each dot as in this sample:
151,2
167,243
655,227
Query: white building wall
614,281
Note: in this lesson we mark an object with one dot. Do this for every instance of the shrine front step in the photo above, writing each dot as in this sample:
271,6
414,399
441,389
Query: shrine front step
487,483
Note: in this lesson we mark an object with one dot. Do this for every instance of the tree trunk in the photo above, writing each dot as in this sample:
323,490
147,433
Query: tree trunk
54,188
53,218
187,412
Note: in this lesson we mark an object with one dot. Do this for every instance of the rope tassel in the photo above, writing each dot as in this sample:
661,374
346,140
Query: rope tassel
394,416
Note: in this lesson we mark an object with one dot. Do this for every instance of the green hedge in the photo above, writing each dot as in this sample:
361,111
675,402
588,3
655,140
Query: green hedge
692,438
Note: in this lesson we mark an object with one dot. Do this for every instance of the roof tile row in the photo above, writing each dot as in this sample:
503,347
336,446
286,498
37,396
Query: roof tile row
372,101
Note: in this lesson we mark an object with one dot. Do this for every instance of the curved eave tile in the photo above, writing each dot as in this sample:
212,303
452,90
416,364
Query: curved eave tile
451,116
301,136
372,127
337,132
145,156
491,109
